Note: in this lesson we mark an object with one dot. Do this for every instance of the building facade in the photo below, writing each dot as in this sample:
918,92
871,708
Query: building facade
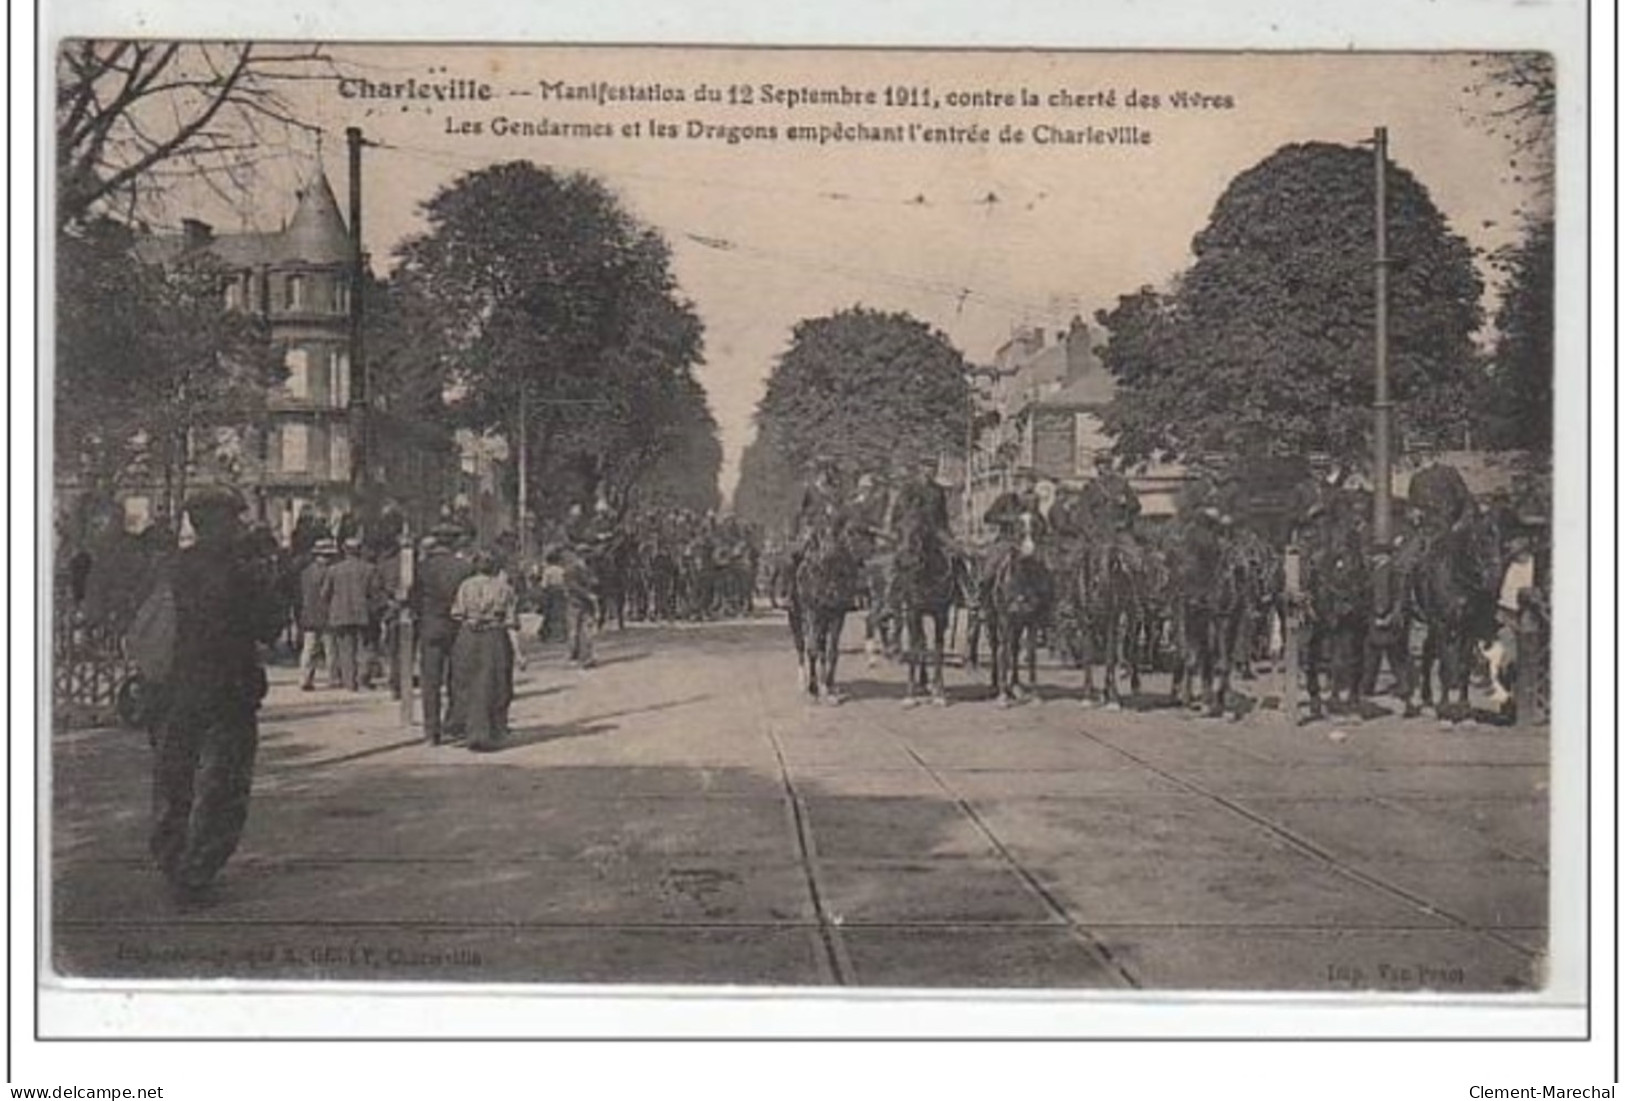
300,456
1049,390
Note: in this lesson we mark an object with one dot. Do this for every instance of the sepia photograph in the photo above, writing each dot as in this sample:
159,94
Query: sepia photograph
790,518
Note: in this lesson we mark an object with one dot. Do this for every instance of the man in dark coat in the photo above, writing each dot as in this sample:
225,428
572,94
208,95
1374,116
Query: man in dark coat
922,495
314,598
206,734
820,508
434,587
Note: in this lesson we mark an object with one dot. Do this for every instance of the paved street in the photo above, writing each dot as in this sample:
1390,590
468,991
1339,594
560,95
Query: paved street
680,815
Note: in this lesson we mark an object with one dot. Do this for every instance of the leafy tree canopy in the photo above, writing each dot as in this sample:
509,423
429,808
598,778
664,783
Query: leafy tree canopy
1517,401
540,292
767,482
867,388
1265,344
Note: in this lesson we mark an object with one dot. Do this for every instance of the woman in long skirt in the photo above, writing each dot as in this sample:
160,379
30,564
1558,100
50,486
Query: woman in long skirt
487,612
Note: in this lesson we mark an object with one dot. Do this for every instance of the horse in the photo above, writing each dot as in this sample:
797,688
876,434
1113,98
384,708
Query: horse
924,583
1337,609
970,568
1017,594
1454,590
1212,585
1263,606
823,584
882,625
612,562
1107,582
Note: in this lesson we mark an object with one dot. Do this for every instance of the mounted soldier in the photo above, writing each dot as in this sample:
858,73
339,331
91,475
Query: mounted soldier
820,508
1005,514
925,496
1122,503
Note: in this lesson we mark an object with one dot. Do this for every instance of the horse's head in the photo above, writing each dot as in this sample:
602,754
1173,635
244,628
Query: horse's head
1027,534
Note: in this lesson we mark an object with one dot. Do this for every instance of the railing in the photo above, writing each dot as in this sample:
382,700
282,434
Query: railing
88,668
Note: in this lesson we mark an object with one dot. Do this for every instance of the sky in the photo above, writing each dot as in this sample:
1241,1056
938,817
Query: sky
973,237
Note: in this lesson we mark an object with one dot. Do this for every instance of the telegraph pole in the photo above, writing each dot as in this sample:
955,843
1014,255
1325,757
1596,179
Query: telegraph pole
1381,522
359,441
523,511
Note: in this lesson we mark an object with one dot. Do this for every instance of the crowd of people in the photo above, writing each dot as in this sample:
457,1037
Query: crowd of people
199,616
463,604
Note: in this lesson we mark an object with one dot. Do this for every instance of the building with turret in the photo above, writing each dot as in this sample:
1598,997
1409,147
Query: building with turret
300,457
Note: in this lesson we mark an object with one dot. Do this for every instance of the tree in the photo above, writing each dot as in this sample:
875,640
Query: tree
1518,94
1521,93
766,494
542,294
868,388
1517,401
153,375
690,458
133,118
1266,343
1143,350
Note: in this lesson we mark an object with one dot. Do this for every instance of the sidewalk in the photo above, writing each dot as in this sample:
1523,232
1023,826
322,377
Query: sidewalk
680,815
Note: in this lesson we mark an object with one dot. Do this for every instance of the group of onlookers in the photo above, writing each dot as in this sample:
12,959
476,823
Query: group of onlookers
343,601
466,612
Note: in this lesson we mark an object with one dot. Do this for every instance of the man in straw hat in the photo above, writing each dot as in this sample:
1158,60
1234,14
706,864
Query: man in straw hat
313,630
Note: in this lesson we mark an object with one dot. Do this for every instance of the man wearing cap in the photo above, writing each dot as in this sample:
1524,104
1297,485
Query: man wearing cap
434,588
206,734
314,599
353,590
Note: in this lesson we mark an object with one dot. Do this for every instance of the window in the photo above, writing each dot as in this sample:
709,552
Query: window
293,297
341,296
234,294
298,364
1089,439
339,458
341,378
295,448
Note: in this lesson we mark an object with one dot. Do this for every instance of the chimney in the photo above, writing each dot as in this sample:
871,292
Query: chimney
1079,355
196,234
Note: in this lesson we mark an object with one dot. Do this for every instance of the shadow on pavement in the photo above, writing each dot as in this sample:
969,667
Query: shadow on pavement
618,659
552,732
540,690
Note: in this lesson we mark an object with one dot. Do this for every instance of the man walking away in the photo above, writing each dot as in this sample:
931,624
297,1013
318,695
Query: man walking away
434,588
313,629
206,733
353,589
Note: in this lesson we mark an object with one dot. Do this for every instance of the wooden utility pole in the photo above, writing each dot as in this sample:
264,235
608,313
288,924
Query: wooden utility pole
1381,521
522,512
360,456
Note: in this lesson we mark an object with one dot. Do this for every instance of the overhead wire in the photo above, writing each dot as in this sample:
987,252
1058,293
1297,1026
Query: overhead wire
962,292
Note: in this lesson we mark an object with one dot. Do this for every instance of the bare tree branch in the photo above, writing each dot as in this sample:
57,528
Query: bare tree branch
129,113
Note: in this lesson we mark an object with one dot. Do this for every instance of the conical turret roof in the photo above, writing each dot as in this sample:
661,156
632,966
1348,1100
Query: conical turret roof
316,234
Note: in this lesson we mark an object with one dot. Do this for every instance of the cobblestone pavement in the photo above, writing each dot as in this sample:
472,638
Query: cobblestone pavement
681,815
